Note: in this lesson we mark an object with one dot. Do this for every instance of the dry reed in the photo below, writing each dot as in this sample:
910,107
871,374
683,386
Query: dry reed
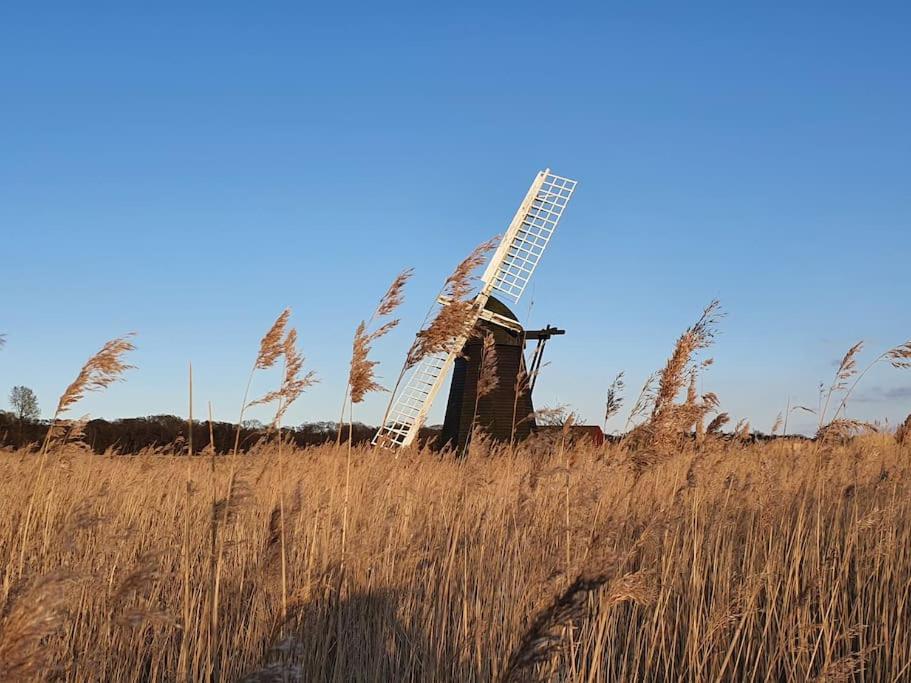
271,347
361,376
733,561
454,319
744,562
903,433
361,372
293,383
488,380
614,401
98,373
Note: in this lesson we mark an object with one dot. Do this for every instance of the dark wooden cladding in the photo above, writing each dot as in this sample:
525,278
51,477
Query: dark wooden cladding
495,410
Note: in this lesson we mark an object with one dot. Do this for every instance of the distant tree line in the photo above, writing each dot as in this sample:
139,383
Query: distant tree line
169,432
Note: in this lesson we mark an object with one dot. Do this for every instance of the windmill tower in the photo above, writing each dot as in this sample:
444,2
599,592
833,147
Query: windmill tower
503,283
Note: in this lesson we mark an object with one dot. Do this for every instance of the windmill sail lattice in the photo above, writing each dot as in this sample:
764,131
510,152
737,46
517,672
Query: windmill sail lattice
507,276
519,252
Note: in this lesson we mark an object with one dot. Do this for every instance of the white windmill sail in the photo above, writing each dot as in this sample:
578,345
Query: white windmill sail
506,275
520,250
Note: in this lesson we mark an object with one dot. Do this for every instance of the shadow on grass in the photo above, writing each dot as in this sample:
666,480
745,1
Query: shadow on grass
360,637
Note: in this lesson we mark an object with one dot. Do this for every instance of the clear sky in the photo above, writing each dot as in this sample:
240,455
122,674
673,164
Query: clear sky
188,172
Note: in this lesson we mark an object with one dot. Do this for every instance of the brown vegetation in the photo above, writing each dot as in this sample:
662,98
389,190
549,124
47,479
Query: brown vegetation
785,559
674,552
455,318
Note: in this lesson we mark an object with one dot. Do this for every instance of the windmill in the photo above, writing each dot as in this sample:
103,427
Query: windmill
503,282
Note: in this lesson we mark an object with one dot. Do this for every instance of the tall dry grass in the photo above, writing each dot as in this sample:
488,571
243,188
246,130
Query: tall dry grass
781,561
271,348
677,553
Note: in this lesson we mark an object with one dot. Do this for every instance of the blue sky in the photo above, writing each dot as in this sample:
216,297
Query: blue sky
188,172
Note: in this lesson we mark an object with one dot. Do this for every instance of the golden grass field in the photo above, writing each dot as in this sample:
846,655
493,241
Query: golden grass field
676,553
788,560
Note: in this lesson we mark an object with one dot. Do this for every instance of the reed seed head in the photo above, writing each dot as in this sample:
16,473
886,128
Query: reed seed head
395,295
99,372
487,378
271,346
456,318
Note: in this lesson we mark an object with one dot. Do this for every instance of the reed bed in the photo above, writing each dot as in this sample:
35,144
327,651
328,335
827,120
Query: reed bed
674,553
786,560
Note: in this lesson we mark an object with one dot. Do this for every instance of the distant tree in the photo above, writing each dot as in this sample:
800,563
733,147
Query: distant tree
25,404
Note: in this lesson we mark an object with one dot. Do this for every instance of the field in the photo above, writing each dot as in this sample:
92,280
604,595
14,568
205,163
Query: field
784,560
677,552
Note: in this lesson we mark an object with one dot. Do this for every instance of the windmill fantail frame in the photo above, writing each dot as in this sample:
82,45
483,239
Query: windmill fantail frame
504,281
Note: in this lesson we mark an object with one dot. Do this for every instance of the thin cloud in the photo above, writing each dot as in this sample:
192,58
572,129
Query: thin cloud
884,395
